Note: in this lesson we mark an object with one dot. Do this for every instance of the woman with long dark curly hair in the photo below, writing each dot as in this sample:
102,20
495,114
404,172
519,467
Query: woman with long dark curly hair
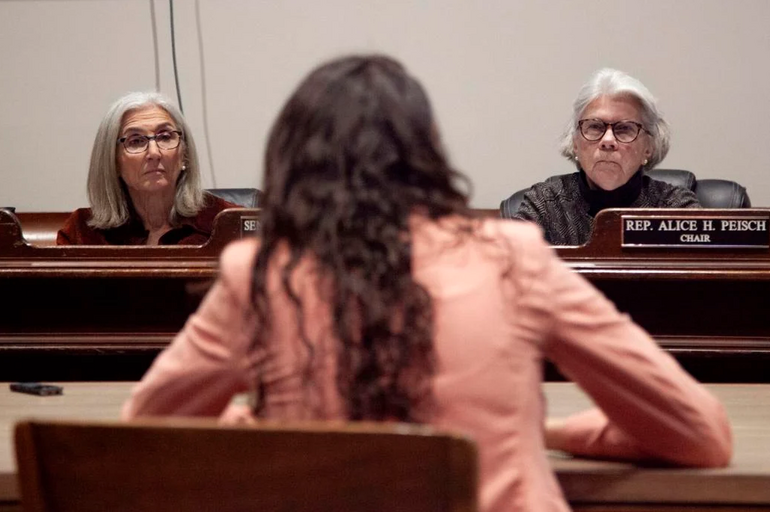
345,171
374,293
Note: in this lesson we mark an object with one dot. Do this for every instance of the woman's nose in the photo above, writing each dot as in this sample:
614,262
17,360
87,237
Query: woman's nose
152,149
608,140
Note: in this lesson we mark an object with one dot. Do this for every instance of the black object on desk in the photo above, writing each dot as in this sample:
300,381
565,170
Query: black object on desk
35,388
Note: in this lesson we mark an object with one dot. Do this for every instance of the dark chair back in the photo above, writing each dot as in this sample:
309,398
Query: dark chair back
676,177
510,206
716,193
246,197
196,465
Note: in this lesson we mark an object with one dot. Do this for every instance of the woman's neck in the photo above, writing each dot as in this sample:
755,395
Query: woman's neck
622,197
154,209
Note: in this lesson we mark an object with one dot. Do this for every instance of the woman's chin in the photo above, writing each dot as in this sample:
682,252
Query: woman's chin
156,185
609,180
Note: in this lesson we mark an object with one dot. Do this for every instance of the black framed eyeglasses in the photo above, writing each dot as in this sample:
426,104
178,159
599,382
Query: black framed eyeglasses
136,143
624,131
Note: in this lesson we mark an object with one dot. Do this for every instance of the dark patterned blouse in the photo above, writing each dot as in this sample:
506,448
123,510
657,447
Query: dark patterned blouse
564,206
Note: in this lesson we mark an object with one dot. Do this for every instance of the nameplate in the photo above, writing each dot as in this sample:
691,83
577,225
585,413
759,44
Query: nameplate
696,232
249,225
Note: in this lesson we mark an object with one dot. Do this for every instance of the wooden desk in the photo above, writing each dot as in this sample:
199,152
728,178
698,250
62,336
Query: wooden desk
40,228
707,306
87,401
588,485
609,486
103,312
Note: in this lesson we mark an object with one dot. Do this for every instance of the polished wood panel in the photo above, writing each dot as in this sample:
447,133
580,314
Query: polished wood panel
589,485
79,312
105,312
707,306
40,228
15,250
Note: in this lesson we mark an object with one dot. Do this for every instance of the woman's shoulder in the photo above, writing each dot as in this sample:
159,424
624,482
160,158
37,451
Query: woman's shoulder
204,219
238,257
76,230
236,263
665,195
543,199
483,230
516,248
506,238
556,186
81,215
519,232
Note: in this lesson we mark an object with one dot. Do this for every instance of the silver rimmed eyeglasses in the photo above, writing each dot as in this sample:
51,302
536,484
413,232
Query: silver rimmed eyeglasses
624,131
136,143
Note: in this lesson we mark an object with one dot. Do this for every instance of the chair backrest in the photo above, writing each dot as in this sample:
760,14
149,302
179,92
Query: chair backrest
715,193
509,207
196,465
711,193
246,197
676,177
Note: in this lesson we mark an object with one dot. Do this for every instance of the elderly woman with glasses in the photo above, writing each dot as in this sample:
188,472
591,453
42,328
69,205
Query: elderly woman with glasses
616,134
144,183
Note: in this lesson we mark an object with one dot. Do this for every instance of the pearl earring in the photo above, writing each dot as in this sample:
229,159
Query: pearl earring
645,162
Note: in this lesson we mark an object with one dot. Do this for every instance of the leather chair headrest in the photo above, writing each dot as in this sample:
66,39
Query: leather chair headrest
676,177
716,193
246,197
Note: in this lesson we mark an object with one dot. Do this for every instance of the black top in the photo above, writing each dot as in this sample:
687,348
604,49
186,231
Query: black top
564,206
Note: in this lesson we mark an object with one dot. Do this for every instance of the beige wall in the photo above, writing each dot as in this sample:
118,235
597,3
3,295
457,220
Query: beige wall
501,73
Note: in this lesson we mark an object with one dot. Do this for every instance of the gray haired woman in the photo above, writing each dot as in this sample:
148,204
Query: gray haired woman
144,183
615,134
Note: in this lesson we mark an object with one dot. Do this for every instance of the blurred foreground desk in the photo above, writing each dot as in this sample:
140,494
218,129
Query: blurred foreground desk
708,303
86,401
102,312
588,485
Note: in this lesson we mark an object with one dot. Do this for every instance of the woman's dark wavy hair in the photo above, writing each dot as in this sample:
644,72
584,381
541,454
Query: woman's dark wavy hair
352,154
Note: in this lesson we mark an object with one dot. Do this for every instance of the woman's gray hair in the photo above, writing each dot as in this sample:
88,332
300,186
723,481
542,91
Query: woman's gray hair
611,82
108,195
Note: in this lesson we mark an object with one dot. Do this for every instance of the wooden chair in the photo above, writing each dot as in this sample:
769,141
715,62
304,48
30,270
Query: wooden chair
185,465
